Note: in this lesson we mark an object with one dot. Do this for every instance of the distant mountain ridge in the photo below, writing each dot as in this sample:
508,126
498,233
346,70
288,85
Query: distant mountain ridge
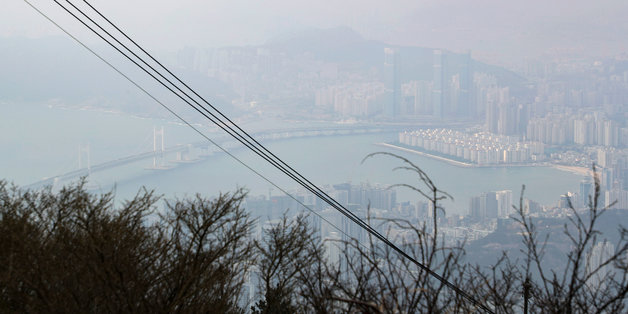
345,45
340,44
56,68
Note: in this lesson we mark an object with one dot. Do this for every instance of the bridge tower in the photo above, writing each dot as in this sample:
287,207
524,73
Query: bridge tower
84,156
158,147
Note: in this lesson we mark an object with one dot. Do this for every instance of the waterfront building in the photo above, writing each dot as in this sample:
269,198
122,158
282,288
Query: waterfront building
583,128
479,148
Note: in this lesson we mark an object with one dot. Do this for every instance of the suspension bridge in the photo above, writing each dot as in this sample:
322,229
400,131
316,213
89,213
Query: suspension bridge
197,151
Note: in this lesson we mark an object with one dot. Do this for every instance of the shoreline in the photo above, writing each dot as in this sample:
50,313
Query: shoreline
447,160
571,169
574,169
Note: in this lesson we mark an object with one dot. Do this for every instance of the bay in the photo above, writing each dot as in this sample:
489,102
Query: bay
39,141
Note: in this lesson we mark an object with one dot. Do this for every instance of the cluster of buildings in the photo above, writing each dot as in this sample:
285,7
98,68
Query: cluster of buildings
379,199
571,82
491,205
570,112
613,173
563,102
448,94
581,128
480,148
270,78
360,100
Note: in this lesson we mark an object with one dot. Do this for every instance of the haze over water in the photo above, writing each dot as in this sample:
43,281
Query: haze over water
41,148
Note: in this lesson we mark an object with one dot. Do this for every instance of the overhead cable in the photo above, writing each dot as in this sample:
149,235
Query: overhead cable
225,127
238,133
134,83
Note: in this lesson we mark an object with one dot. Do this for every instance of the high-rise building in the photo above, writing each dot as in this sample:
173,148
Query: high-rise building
392,83
439,84
586,187
504,116
475,207
617,198
351,230
489,200
523,113
611,134
531,207
332,248
484,206
504,203
365,195
623,178
466,108
598,267
506,119
418,97
492,115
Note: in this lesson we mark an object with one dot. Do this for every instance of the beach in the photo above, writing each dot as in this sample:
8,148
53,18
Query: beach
571,169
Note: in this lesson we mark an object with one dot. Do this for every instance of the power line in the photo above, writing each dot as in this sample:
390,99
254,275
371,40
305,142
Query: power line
251,142
295,176
183,119
239,137
259,149
348,214
247,136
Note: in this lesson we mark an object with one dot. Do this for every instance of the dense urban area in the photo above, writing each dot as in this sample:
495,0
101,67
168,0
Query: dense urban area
198,216
560,112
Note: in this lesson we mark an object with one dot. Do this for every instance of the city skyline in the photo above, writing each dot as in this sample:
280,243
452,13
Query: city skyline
335,154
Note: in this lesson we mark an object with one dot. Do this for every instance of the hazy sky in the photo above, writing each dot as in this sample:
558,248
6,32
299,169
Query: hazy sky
491,28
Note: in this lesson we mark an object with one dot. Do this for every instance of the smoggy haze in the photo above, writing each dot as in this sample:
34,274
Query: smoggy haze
501,31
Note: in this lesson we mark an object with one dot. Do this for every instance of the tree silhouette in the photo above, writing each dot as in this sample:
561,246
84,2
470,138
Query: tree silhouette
73,251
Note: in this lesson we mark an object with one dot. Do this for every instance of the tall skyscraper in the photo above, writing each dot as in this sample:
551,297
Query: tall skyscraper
492,115
440,83
504,203
489,200
484,206
586,188
598,257
465,103
506,123
392,83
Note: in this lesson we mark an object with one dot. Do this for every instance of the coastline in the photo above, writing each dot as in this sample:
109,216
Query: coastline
574,169
571,169
447,160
